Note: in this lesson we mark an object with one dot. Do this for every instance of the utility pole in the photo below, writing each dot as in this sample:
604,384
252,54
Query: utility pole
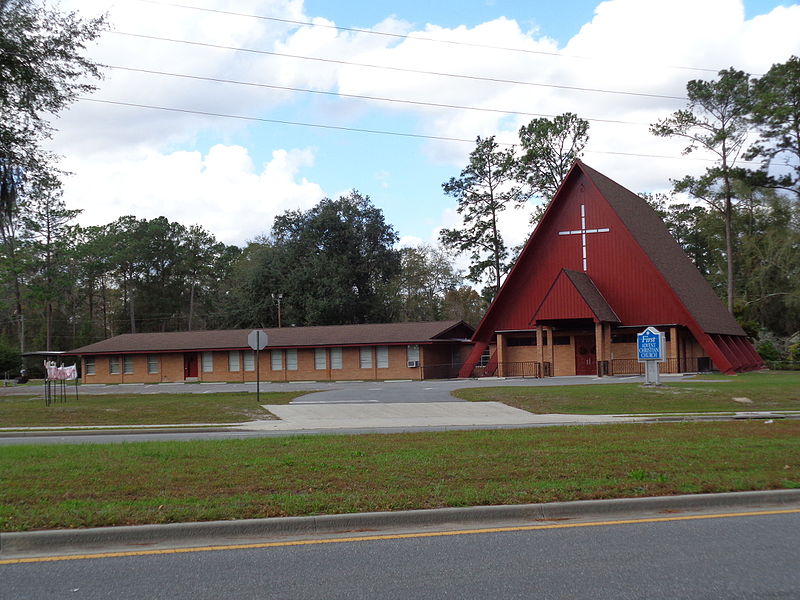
278,297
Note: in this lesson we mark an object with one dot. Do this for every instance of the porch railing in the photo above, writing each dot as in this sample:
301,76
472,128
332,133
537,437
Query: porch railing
631,366
515,369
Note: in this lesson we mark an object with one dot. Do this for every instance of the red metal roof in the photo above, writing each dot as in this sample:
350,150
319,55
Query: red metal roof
573,295
614,242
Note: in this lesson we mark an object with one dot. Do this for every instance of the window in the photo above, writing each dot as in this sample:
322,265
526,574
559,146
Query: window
249,360
152,363
276,359
233,361
412,352
365,357
90,365
208,362
561,341
291,360
336,358
114,365
320,359
623,338
487,354
382,356
521,341
127,364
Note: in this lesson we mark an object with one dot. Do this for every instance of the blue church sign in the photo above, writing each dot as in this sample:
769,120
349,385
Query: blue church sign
650,345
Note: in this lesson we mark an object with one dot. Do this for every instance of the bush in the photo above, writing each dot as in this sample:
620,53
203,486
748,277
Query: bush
10,361
768,351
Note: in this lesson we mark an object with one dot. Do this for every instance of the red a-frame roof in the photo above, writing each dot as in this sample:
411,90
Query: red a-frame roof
623,265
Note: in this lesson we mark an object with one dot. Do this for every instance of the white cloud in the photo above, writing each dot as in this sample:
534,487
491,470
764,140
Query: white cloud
222,190
149,162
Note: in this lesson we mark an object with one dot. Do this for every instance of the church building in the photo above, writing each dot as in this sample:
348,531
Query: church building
600,267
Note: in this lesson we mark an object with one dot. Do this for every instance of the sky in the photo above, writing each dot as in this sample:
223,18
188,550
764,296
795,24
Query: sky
240,117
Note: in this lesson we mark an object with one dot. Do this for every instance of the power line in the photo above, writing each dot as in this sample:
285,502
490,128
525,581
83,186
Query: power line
401,69
370,131
355,96
279,121
399,35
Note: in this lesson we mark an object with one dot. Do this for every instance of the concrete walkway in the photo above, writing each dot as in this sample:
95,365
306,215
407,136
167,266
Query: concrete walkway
302,417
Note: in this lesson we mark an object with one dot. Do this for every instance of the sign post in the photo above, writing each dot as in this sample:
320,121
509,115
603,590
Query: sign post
257,340
650,350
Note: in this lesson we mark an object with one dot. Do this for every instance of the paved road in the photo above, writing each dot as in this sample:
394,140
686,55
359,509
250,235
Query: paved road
349,408
737,557
358,391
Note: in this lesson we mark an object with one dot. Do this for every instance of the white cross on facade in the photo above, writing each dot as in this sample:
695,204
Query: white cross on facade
582,232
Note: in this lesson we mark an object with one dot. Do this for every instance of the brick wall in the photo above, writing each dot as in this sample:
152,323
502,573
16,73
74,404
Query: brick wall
171,366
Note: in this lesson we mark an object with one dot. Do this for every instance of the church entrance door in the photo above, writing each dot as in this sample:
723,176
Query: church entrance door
585,355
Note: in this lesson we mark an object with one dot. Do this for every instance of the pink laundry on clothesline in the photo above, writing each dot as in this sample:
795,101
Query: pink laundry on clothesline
60,373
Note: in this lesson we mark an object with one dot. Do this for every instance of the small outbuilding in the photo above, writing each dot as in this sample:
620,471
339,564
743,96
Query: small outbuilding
337,352
600,267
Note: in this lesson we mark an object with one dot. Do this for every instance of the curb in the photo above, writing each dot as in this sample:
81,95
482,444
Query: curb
78,432
239,427
78,541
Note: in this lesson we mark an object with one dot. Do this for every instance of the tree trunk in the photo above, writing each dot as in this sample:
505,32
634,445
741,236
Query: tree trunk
729,231
729,251
191,306
132,311
105,308
91,309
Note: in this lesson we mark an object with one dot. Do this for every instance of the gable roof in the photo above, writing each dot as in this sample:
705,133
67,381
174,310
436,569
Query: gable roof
643,272
285,337
654,238
578,292
651,235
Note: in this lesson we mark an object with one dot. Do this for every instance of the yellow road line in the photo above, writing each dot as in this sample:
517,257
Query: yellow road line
393,536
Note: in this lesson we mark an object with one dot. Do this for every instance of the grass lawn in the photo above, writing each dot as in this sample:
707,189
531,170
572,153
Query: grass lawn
779,390
161,482
139,409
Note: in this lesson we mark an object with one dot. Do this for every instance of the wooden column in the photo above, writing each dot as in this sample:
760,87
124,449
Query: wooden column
540,344
672,353
598,343
501,351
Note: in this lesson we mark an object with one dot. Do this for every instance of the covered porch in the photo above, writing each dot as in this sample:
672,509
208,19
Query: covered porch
583,347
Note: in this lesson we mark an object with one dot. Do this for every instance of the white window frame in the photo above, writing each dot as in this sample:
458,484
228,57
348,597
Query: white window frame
127,364
412,352
276,360
234,361
336,359
320,359
249,360
114,365
382,357
152,364
208,362
291,359
365,357
91,365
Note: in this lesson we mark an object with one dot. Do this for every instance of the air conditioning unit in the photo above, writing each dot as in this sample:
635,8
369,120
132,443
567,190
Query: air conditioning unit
412,364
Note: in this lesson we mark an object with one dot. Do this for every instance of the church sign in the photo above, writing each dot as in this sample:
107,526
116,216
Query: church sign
650,345
650,351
